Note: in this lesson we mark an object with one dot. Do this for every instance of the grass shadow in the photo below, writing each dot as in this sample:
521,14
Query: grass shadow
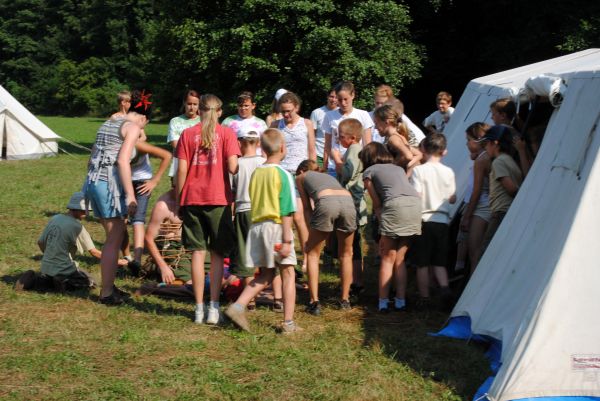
404,337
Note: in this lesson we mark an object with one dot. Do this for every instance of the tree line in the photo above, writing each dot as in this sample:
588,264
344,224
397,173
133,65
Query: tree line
71,57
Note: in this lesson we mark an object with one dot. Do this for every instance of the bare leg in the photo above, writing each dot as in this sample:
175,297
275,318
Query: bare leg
387,251
216,276
441,275
301,228
423,281
277,287
400,275
476,232
345,258
288,277
125,242
114,229
198,275
138,241
314,245
255,286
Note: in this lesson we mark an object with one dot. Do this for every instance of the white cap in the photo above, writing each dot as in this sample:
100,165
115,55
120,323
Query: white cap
247,132
280,93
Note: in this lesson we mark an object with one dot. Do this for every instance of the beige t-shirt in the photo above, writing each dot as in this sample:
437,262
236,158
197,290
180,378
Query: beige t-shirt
436,184
503,166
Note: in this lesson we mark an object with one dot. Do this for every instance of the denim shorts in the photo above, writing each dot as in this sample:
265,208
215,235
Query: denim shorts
142,204
101,200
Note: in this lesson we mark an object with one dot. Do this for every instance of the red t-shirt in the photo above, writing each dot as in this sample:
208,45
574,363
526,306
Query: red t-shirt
207,181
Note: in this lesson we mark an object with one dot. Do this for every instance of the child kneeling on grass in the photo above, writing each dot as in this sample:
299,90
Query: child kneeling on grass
61,239
270,240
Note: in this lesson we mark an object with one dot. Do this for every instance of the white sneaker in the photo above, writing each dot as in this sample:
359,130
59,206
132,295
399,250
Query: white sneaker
213,316
199,315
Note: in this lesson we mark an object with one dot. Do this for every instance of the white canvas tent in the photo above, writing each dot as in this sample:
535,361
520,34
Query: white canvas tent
536,287
22,135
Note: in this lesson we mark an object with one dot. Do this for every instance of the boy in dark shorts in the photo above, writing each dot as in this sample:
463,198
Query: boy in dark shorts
436,185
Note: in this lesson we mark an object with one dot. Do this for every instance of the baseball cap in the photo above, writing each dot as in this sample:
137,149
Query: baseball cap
495,133
77,201
247,132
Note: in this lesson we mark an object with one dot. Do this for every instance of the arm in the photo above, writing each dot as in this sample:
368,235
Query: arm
367,136
232,164
306,206
509,185
312,149
182,171
327,149
403,149
98,254
130,132
41,245
165,158
159,214
479,171
286,235
524,159
374,197
416,159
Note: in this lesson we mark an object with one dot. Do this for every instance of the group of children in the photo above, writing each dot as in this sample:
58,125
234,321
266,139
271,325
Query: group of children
239,182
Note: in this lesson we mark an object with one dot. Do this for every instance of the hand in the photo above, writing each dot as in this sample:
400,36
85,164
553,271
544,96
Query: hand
166,274
131,207
285,250
147,187
465,223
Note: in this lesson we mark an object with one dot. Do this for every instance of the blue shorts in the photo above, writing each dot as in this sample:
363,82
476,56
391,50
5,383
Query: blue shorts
142,204
101,199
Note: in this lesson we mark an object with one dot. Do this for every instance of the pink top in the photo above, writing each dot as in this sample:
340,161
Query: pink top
207,181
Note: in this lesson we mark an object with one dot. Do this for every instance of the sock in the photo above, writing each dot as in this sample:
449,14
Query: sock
199,307
460,264
383,303
128,257
288,322
214,305
399,303
239,307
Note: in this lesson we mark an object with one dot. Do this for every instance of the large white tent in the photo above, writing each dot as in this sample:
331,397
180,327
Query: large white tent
536,287
23,135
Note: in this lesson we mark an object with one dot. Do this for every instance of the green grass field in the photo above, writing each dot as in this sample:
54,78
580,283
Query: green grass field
56,347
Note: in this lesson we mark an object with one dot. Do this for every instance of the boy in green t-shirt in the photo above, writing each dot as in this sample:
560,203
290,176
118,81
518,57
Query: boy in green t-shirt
62,238
270,240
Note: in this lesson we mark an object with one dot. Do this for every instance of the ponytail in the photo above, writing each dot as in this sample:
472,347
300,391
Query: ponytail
209,106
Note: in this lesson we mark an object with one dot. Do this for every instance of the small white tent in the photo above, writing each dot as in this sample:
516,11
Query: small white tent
22,135
536,287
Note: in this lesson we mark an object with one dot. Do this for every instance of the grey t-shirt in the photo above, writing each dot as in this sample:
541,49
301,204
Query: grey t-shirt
60,240
390,181
315,182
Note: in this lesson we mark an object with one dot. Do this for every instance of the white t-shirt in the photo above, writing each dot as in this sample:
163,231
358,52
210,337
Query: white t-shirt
438,119
236,123
241,181
317,116
436,184
333,119
141,170
176,127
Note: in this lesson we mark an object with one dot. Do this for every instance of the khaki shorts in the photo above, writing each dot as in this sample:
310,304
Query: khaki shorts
334,213
401,217
260,247
207,227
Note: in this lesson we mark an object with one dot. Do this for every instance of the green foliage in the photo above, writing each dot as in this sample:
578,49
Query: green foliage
305,46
